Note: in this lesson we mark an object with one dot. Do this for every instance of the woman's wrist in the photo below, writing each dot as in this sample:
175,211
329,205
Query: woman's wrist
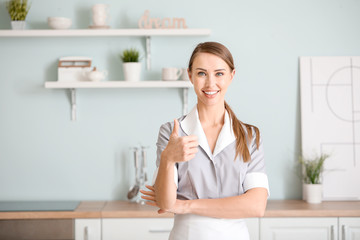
165,160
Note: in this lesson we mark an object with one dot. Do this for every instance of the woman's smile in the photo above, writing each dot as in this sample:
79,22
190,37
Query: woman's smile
211,93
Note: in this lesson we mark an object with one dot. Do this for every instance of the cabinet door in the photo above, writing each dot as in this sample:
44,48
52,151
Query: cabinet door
88,229
253,226
298,228
136,228
350,228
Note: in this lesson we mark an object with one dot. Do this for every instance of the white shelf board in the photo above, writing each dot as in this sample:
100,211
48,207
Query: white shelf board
103,32
120,84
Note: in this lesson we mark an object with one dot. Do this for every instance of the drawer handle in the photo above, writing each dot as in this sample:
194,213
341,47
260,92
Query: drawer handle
159,231
344,232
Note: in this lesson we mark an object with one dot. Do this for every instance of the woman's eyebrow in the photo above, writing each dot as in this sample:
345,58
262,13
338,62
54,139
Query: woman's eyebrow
202,69
220,70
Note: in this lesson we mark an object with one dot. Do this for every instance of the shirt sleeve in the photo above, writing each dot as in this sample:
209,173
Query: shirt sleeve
163,139
256,175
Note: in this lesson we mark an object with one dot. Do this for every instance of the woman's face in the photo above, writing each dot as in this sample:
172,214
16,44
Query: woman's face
211,77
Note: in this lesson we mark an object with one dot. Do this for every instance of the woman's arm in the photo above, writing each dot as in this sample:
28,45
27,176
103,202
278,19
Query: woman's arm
178,149
250,204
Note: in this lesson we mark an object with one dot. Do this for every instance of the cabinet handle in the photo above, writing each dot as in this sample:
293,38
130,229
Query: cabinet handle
332,232
159,231
86,233
344,232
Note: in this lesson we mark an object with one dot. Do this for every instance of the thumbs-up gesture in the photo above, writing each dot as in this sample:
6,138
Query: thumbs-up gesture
180,149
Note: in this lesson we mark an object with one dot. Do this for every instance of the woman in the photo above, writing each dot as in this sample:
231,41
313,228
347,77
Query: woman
211,170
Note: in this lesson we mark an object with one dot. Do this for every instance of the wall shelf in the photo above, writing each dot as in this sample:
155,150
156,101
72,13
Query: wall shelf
120,84
125,32
72,86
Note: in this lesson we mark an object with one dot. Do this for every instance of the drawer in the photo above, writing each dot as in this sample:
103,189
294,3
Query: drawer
49,229
137,228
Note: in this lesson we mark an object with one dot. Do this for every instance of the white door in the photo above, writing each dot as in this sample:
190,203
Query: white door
349,228
298,228
88,229
136,228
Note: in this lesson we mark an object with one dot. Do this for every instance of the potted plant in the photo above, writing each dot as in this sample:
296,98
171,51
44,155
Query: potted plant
18,10
312,169
131,64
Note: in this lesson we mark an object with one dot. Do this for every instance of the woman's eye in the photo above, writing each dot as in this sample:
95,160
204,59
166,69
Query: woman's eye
201,74
219,74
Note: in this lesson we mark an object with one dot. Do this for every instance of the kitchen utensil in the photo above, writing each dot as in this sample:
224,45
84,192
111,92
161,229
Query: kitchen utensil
134,190
59,22
143,153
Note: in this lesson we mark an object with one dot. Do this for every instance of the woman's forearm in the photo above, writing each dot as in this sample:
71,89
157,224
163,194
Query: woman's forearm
250,204
164,185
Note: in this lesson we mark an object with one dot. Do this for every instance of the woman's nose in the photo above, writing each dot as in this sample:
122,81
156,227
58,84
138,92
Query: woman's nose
210,81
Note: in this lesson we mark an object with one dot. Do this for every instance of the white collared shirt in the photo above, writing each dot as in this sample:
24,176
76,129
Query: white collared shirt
214,175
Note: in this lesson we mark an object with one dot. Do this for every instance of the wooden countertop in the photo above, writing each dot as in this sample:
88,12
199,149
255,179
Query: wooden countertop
124,209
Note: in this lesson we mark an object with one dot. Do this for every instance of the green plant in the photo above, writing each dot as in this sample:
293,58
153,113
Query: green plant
312,168
130,55
18,9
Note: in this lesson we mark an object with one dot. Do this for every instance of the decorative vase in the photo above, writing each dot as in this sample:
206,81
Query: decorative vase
18,25
132,71
312,193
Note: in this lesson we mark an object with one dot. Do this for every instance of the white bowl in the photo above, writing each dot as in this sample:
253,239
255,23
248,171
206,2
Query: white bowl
59,22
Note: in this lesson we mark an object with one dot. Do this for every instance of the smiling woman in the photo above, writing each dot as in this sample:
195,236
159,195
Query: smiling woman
217,161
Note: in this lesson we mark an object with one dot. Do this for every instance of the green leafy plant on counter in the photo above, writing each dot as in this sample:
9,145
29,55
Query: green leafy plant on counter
18,9
312,168
130,55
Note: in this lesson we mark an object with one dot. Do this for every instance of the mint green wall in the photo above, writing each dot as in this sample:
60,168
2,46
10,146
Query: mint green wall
45,156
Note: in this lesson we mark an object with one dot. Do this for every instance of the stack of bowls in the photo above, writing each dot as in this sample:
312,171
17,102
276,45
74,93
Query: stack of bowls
59,22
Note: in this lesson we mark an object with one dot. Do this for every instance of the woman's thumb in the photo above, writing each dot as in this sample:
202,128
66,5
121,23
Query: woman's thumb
175,131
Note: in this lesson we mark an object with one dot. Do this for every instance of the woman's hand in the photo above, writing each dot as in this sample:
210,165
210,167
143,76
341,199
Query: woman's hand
180,149
179,207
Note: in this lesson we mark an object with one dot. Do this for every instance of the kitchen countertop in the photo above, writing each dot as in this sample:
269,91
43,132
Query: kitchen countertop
124,209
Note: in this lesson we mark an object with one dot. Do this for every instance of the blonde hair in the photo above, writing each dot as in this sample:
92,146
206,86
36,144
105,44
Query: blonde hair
243,132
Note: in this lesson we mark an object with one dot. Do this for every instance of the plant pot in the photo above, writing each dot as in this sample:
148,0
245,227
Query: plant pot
312,193
18,25
132,71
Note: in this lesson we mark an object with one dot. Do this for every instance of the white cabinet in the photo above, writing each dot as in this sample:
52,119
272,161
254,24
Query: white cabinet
299,228
349,228
136,228
253,227
88,229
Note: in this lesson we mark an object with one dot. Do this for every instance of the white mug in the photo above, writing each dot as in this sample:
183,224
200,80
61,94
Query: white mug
184,75
169,74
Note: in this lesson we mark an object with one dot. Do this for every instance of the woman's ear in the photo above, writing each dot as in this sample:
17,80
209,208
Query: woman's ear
189,74
232,74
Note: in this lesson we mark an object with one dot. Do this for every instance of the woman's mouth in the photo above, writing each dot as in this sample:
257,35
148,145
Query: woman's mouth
211,94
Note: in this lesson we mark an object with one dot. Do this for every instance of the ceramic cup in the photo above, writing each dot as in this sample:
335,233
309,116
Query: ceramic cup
184,74
100,14
171,74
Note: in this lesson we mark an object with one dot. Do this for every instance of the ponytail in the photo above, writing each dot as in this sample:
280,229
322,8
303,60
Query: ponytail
243,137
